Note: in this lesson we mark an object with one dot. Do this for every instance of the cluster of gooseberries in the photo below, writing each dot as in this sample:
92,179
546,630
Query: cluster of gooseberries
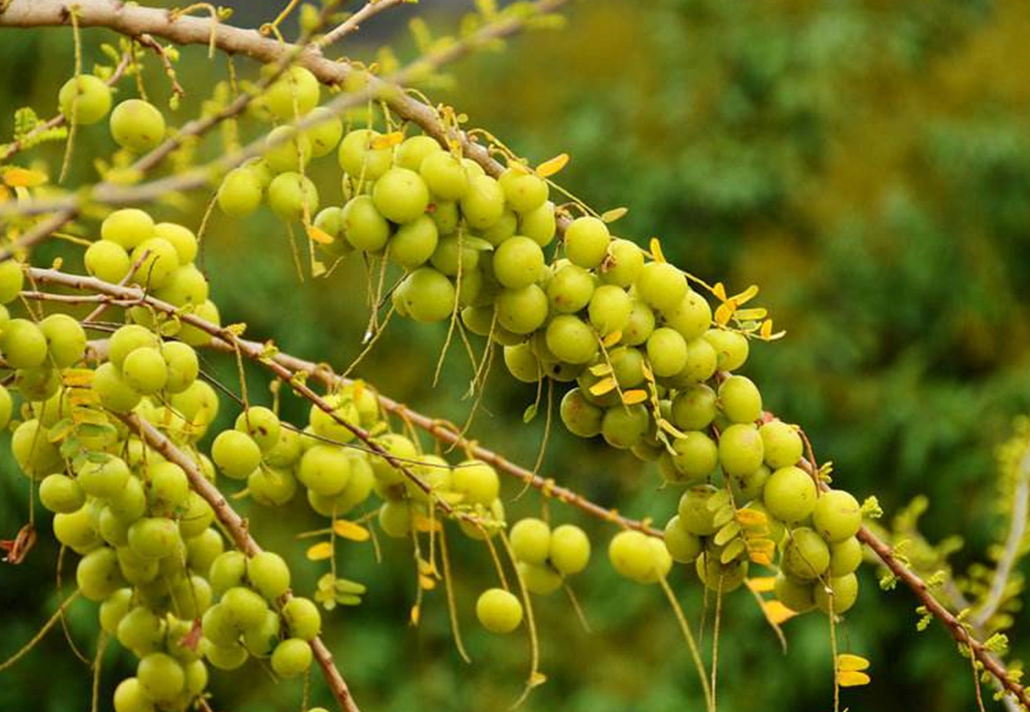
602,313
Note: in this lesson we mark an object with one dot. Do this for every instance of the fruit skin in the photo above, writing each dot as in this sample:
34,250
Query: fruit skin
240,193
789,494
291,657
837,516
783,444
86,98
570,549
531,540
845,593
499,611
130,697
137,125
161,676
806,555
268,574
798,596
400,195
23,344
11,280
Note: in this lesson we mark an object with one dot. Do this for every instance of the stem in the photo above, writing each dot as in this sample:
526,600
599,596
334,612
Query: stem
238,528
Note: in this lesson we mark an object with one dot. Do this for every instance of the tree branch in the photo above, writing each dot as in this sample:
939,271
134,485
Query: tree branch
353,23
1013,544
134,21
237,527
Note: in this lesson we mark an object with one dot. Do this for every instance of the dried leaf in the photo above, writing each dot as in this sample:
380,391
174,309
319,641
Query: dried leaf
77,377
751,517
761,584
319,235
724,312
552,166
612,339
351,530
387,140
746,296
633,397
656,250
600,369
753,314
23,177
610,216
425,524
852,678
605,385
320,551
849,662
777,613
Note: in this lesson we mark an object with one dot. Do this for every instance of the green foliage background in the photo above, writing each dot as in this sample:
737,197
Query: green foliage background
866,163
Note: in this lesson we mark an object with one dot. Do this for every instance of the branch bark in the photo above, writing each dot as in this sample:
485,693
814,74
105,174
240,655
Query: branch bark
277,363
237,527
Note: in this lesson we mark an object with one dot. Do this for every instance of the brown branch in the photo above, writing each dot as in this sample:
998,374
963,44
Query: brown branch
238,528
959,630
444,434
134,21
254,351
286,367
353,23
148,41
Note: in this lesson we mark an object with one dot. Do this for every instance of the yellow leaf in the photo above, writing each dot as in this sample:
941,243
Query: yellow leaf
425,524
610,216
600,369
633,397
427,583
751,517
847,662
724,312
23,177
754,314
77,377
766,330
760,557
319,235
553,166
350,530
605,385
852,678
719,291
416,614
387,140
777,613
762,584
612,339
537,679
320,551
656,250
747,295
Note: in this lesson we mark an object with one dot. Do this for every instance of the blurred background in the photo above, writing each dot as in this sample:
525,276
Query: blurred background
866,163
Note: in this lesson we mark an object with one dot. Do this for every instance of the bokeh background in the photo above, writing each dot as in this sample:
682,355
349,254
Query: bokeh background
866,163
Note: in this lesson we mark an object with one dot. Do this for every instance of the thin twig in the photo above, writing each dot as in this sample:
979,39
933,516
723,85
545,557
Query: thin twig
238,528
1013,544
